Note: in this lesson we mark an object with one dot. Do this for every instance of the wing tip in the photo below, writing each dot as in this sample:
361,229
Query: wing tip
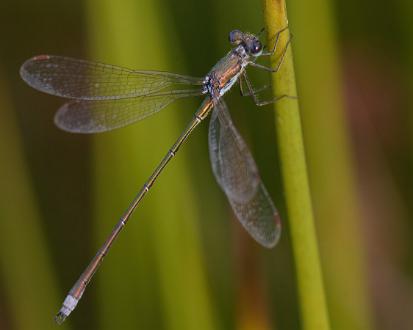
24,71
60,120
65,119
269,241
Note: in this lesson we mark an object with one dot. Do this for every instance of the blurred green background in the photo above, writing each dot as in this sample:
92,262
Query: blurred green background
184,262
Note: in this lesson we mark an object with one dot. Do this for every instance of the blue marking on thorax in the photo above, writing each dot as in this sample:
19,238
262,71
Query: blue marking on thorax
229,84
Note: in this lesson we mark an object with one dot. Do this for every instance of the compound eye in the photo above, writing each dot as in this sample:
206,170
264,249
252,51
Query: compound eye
256,47
235,37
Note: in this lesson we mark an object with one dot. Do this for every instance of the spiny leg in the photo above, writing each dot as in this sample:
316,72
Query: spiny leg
261,31
280,61
254,93
248,92
277,37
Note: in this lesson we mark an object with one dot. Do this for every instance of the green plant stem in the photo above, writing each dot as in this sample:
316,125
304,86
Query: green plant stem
294,171
332,178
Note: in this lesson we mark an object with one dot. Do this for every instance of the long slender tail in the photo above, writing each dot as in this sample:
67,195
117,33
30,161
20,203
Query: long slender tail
79,287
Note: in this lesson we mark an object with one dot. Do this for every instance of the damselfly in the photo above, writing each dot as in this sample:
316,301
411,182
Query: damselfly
104,97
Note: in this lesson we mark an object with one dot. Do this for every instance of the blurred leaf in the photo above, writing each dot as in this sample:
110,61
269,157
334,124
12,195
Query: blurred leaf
26,269
155,277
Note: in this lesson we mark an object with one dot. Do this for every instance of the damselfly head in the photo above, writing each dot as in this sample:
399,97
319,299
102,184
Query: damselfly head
253,46
251,43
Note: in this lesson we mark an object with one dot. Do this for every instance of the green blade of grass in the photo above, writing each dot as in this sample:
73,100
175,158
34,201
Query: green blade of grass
154,275
330,166
294,171
25,265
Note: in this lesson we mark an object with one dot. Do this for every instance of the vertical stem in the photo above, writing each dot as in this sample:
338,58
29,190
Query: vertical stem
294,171
336,205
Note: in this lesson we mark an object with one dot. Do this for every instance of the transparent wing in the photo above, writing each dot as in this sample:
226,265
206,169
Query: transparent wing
100,116
85,80
237,174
